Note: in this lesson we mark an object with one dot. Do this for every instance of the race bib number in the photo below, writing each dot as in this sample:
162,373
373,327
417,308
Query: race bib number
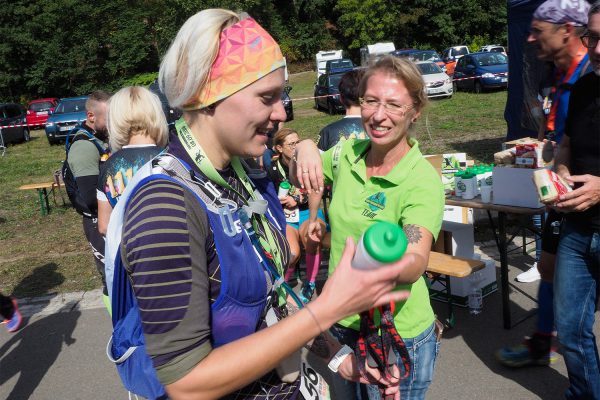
312,385
292,216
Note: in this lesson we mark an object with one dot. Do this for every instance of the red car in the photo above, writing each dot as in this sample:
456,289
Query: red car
38,111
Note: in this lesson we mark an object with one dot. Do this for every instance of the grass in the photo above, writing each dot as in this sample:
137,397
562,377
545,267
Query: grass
468,122
39,254
47,254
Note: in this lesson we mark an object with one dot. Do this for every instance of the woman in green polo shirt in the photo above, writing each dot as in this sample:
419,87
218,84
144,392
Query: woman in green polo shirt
385,178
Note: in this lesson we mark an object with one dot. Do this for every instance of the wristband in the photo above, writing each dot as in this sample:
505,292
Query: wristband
339,357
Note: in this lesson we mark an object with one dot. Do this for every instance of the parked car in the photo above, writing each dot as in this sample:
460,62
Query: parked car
39,110
451,55
454,53
421,55
327,93
13,123
337,66
68,114
287,103
437,82
483,71
494,48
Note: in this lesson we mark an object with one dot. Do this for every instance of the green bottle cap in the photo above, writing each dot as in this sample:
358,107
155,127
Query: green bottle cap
385,242
285,185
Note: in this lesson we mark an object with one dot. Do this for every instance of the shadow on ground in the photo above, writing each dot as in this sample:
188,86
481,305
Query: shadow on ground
482,149
44,338
484,334
42,280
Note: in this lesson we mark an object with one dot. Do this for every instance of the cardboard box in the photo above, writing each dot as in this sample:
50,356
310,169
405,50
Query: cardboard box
513,143
515,187
461,287
435,160
460,239
450,164
461,215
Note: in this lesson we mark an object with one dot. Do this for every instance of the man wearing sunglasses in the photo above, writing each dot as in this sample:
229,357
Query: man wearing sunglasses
578,257
555,34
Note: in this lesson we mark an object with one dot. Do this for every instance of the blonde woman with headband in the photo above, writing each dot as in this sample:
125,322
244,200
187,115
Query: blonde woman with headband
137,133
189,250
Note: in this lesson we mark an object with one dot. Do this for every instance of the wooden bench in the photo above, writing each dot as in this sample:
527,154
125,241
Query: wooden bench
442,266
42,189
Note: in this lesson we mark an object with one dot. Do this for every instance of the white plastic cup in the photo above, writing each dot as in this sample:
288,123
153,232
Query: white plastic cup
470,190
486,194
284,189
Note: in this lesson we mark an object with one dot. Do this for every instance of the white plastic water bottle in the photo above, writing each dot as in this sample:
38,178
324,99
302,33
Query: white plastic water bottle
475,298
382,243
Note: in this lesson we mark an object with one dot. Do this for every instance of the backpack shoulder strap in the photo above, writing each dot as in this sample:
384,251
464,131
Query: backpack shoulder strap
80,133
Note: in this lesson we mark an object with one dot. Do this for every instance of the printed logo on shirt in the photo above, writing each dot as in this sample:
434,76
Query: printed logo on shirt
375,203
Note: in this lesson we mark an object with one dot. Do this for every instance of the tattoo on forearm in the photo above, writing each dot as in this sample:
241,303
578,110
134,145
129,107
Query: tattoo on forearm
413,233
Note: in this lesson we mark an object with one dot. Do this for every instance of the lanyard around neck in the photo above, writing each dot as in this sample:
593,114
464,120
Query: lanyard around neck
281,170
197,154
559,88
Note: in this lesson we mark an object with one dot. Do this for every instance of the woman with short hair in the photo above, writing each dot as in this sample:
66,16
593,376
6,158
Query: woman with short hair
138,132
385,178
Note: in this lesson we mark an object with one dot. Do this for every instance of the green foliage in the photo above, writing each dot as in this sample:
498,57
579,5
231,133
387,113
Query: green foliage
141,79
71,47
478,42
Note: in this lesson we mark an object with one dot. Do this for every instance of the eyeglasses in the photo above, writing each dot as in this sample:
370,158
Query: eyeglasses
590,41
390,108
292,145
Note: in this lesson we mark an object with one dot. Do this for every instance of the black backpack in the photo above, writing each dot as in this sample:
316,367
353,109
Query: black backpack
78,133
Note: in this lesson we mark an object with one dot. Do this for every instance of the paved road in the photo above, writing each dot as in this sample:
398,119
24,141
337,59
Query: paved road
60,354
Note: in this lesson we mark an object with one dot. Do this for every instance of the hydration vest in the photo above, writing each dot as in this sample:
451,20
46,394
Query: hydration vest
78,133
245,286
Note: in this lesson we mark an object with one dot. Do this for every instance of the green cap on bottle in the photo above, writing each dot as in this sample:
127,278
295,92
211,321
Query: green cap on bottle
285,185
385,242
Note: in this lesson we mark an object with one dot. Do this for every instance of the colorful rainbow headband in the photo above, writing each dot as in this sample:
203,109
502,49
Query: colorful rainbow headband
246,53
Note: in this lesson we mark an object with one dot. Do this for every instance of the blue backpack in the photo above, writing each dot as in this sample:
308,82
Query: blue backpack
126,348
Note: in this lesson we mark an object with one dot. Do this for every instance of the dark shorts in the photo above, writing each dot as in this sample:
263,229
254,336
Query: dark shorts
551,232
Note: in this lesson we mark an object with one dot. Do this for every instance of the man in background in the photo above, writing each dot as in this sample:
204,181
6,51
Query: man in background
87,148
555,33
578,257
350,126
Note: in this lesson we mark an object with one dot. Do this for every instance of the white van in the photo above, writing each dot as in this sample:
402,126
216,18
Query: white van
494,48
372,52
322,57
454,53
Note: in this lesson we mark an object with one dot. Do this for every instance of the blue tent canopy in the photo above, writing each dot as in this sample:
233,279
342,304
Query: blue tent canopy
519,85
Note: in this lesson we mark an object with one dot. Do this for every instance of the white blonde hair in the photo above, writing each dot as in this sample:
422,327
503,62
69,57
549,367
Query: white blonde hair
135,110
185,69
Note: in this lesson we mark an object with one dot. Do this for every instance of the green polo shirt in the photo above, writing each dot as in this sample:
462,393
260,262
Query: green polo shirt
411,193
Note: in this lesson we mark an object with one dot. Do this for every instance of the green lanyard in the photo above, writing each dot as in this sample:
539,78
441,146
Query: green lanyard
281,171
197,154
